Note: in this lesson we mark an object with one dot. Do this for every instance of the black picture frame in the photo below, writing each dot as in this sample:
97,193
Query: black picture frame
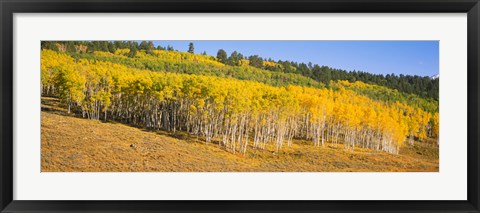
9,7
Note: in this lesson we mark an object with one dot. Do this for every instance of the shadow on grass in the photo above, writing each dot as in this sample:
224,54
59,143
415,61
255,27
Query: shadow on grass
427,150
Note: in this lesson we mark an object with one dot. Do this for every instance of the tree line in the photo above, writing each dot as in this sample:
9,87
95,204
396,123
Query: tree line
183,62
238,114
422,86
186,63
388,95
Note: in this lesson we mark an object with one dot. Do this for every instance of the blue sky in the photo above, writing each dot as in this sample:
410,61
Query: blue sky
379,57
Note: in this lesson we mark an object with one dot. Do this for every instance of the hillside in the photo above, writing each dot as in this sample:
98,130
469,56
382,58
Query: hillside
186,63
136,108
76,144
238,66
382,93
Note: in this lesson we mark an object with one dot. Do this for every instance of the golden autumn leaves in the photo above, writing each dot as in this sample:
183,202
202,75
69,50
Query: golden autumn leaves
237,113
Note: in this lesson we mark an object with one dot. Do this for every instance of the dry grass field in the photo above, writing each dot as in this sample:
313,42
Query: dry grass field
71,144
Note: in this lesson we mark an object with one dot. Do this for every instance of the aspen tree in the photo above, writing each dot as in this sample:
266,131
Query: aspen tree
236,113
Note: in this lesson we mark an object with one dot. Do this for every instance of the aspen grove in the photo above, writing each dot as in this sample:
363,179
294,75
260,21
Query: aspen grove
239,114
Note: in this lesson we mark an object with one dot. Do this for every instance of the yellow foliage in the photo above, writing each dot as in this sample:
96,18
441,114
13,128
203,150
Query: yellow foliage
123,52
204,101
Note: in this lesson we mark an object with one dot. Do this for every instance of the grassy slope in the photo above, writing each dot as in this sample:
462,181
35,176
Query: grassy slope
75,144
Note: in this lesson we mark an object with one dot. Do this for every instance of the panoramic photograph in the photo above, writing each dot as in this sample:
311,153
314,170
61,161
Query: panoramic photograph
239,106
